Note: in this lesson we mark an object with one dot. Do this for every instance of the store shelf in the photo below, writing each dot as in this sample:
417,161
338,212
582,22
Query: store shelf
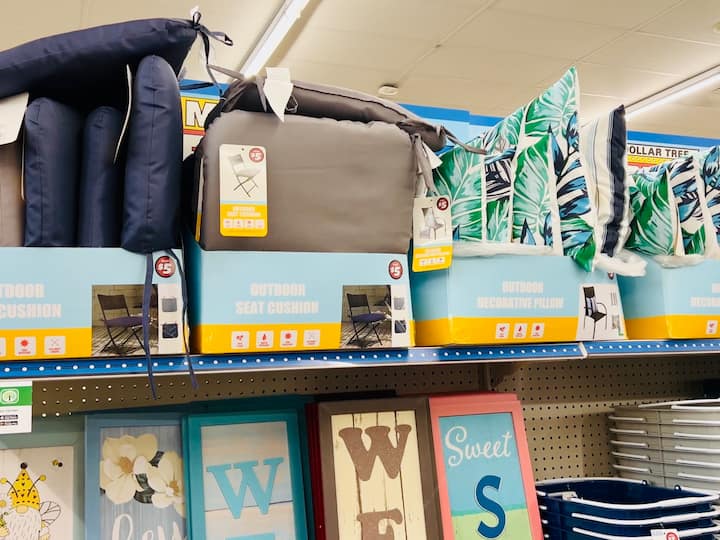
105,367
131,366
601,349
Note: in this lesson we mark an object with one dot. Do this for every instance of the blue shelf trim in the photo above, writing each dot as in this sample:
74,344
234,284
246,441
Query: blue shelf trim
299,360
625,348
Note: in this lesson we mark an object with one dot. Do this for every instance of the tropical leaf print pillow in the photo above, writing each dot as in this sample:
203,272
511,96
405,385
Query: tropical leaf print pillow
654,223
555,112
535,219
709,169
460,177
689,198
499,173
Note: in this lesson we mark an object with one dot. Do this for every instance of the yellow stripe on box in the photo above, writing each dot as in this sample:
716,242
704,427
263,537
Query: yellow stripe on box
262,338
243,219
46,343
494,330
674,327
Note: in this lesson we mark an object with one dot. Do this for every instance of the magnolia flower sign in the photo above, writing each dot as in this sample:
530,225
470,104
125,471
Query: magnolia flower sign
136,467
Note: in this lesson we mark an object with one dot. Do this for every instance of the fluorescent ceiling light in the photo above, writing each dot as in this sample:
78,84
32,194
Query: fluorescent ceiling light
273,36
694,84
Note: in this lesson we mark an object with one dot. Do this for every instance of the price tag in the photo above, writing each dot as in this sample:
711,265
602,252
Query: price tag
664,534
432,234
15,406
243,190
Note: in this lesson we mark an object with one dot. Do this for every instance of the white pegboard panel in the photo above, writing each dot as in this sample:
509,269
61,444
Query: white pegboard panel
566,404
70,396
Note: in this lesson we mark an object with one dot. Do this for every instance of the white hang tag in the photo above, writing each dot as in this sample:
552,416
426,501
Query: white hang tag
435,161
278,88
12,111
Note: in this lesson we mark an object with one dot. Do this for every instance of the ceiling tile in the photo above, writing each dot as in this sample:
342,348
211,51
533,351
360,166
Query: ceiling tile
242,20
679,120
617,13
657,54
498,67
541,34
425,19
692,21
24,24
613,81
359,49
592,107
364,80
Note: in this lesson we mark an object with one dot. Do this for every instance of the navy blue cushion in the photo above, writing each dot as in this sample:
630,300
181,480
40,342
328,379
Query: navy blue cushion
154,160
51,171
100,197
56,66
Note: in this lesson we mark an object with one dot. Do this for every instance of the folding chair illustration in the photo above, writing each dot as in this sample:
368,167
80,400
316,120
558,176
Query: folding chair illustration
594,310
366,322
244,174
432,223
120,325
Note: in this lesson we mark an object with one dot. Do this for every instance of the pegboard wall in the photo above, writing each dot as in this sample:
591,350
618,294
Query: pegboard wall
566,403
57,397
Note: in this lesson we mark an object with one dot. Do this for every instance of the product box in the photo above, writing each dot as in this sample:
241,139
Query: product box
673,303
86,302
515,299
245,301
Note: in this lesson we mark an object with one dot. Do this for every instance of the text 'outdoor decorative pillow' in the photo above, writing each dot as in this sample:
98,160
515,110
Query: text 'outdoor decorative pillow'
100,196
154,160
51,172
12,207
56,66
603,144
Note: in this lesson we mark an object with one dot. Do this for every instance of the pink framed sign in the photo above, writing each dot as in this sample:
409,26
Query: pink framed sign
485,478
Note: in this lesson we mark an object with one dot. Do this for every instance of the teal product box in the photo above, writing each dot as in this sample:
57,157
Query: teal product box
247,301
86,302
673,303
515,299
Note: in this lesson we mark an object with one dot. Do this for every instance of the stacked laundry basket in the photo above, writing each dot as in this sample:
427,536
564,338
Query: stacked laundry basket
616,509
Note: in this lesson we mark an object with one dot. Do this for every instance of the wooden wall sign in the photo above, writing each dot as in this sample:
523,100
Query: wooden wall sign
134,477
377,470
246,477
485,478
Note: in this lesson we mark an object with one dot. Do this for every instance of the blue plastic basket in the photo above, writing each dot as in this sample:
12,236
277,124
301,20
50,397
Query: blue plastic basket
552,533
626,528
617,498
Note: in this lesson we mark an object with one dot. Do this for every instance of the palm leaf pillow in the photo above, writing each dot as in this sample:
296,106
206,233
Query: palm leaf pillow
689,196
535,217
709,170
460,177
555,112
653,227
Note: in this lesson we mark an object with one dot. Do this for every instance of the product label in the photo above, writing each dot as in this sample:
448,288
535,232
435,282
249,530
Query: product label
15,406
665,534
432,234
648,155
243,190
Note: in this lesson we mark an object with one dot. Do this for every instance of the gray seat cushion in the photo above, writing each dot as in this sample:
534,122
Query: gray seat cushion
335,186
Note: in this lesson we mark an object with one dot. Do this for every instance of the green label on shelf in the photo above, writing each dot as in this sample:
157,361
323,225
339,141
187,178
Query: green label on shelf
15,407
